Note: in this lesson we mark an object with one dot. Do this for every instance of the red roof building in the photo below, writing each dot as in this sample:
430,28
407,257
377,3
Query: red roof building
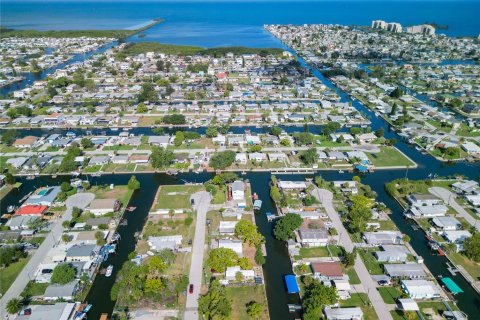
327,270
32,210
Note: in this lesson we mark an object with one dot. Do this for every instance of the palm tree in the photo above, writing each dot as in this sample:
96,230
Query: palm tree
14,305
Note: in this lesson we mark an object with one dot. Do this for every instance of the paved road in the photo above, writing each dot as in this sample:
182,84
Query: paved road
368,284
202,203
80,200
449,198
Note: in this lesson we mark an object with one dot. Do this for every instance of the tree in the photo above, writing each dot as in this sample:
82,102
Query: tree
394,109
14,306
330,128
176,119
179,137
147,93
275,194
380,132
276,131
471,246
245,263
10,178
259,258
223,159
65,237
248,232
406,238
181,284
63,274
160,158
221,258
396,93
254,309
349,257
211,132
214,305
303,138
156,265
133,183
255,148
65,186
224,178
86,143
286,225
142,108
100,236
9,136
317,296
359,213
309,156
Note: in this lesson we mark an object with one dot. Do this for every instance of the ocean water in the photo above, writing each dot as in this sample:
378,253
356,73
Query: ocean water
229,23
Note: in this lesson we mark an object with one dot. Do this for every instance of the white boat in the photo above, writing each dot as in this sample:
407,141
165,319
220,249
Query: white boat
109,271
114,129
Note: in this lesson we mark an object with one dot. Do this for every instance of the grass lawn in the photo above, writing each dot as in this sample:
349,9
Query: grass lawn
387,225
360,300
175,197
119,192
319,252
389,294
170,227
221,195
5,190
371,263
10,273
352,275
399,315
117,147
436,306
389,156
472,268
92,169
241,296
34,289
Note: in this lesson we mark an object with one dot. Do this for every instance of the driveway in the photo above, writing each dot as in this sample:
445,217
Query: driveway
449,198
202,204
80,200
368,285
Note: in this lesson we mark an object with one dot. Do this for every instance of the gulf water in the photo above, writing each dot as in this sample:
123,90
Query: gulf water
232,23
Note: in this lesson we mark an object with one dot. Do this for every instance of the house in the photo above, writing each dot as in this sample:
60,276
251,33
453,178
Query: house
160,141
231,273
220,140
407,304
447,223
327,270
470,147
120,159
235,245
418,200
313,237
238,190
59,310
456,236
405,270
277,156
98,160
61,292
429,211
97,222
420,289
32,210
367,137
103,206
351,313
139,158
392,253
165,242
17,162
20,222
241,158
227,227
383,237
257,156
473,199
84,252
43,196
25,142
292,185
465,187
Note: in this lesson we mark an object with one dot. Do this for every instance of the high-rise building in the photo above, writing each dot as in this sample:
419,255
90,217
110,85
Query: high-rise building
379,24
394,27
422,29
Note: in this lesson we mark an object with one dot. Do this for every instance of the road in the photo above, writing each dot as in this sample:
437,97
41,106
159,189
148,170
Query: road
449,198
202,204
80,200
368,285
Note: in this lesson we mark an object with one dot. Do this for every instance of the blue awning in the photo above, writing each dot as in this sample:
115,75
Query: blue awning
291,282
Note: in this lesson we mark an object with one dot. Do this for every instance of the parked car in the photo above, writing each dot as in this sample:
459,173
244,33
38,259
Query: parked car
190,288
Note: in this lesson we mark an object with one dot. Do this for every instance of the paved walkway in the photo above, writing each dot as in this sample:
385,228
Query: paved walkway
80,200
202,204
449,198
368,284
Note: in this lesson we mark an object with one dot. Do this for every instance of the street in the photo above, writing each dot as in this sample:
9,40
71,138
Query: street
368,284
80,200
201,206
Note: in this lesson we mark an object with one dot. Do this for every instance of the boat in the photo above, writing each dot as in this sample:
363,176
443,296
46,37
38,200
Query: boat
244,173
270,216
340,171
172,172
109,271
114,129
104,316
126,129
257,204
255,196
130,208
124,222
440,252
87,308
96,174
115,237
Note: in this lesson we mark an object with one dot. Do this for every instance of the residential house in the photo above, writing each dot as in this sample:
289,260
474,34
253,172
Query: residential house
85,252
238,190
165,242
235,245
227,227
313,237
405,270
327,270
64,292
447,223
392,253
103,206
25,142
420,289
383,237
350,313
231,273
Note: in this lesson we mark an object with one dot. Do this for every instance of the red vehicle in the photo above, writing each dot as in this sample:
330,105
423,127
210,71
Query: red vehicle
190,289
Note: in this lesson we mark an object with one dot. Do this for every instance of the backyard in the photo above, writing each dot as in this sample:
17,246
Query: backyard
241,296
175,197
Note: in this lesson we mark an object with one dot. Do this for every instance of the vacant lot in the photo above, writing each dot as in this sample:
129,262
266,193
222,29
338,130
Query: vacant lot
175,197
389,156
241,296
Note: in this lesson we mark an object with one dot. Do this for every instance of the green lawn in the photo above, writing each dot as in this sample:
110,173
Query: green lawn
389,156
320,252
437,307
472,267
117,147
175,197
390,294
121,193
352,275
399,315
220,196
34,289
241,296
360,300
10,273
371,263
170,227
